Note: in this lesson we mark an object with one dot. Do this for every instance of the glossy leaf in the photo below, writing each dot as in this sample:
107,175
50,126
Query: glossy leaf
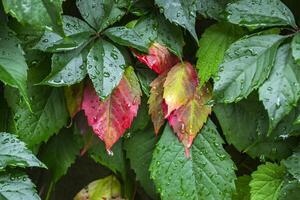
14,153
266,181
105,67
292,164
212,8
111,117
281,92
103,13
207,174
212,46
105,188
180,12
259,14
180,86
187,120
242,188
296,48
16,185
247,64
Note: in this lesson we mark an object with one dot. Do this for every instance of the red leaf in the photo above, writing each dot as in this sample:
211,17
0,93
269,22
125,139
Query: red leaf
110,118
159,59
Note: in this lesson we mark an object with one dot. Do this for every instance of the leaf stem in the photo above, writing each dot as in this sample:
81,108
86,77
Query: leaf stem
49,192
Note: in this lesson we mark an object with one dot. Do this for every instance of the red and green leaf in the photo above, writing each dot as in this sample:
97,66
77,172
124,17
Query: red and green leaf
159,59
110,118
73,95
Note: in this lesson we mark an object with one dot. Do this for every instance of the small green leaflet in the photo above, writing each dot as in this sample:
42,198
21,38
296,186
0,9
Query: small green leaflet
281,92
212,8
147,30
16,185
246,66
267,181
292,164
207,174
212,46
242,188
105,67
180,12
296,48
260,14
41,14
13,67
14,153
59,153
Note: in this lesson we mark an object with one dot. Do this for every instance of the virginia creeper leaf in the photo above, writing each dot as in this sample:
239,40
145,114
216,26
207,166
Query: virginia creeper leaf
242,188
159,59
105,188
246,66
73,96
296,48
281,92
180,86
14,153
187,120
292,164
105,66
180,12
155,102
258,14
139,149
267,181
103,13
212,8
40,14
207,174
145,76
143,118
13,67
290,190
16,185
212,46
149,29
111,117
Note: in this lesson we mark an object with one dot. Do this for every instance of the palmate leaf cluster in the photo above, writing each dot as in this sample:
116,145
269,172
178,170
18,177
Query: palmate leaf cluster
63,59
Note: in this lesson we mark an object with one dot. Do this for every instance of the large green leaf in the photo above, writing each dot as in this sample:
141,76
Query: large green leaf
267,181
102,13
39,14
246,66
139,148
105,66
296,48
16,185
292,164
48,115
242,188
290,190
207,174
280,93
180,12
14,153
147,30
245,125
256,14
59,153
13,68
212,46
212,8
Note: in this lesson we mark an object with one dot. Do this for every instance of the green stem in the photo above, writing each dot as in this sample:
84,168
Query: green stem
50,190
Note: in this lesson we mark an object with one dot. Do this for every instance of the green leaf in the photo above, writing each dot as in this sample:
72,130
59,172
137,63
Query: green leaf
290,190
143,118
212,8
48,115
212,46
139,148
147,30
246,66
207,174
105,66
292,164
242,188
77,32
145,76
267,181
59,153
245,125
14,153
281,92
180,12
296,48
17,185
103,13
13,67
40,14
260,14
